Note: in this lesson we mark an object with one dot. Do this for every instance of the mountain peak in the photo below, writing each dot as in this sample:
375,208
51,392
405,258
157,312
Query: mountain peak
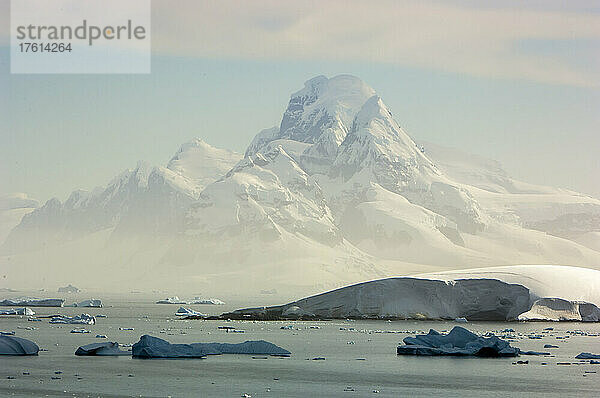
201,162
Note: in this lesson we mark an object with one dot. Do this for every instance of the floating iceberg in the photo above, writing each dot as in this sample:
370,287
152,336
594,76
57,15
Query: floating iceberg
153,347
101,349
406,298
171,300
211,301
91,303
182,311
10,345
588,355
32,302
556,309
18,311
80,331
68,289
459,342
83,319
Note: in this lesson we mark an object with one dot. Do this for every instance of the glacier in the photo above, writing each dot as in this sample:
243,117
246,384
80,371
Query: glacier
467,295
555,309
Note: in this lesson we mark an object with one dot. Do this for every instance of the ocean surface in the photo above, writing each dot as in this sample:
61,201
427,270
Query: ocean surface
360,358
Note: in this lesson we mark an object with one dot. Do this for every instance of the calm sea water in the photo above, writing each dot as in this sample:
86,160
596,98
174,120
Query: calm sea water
360,359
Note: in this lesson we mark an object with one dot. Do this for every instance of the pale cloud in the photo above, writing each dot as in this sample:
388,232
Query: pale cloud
470,40
461,37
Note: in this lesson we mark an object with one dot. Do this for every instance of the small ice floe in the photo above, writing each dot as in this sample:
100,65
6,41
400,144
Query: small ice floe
4,333
18,311
533,353
182,311
287,327
349,389
83,319
206,301
171,300
459,342
318,359
126,328
588,355
80,331
31,302
91,303
460,320
153,347
101,316
550,346
108,348
100,336
10,345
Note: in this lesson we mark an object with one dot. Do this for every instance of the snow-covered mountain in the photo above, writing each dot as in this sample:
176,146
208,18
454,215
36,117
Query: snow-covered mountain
337,193
12,209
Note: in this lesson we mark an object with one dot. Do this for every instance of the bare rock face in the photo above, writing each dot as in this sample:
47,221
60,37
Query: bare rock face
408,298
557,309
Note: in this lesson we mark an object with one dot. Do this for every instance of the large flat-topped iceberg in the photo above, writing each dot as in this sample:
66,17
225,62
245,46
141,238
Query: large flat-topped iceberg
459,342
555,309
32,302
407,298
153,347
18,311
11,345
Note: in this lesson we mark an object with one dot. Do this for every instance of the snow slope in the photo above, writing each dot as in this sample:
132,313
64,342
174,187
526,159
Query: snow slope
336,194
12,209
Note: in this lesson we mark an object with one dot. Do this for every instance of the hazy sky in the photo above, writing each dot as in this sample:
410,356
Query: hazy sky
520,84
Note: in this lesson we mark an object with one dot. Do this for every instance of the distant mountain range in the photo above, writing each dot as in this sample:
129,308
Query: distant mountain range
337,193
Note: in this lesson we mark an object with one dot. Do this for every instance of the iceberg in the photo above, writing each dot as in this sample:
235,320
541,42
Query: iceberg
171,300
153,347
588,355
31,302
18,311
83,319
108,348
182,311
211,301
406,298
459,342
91,303
556,310
68,289
10,345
